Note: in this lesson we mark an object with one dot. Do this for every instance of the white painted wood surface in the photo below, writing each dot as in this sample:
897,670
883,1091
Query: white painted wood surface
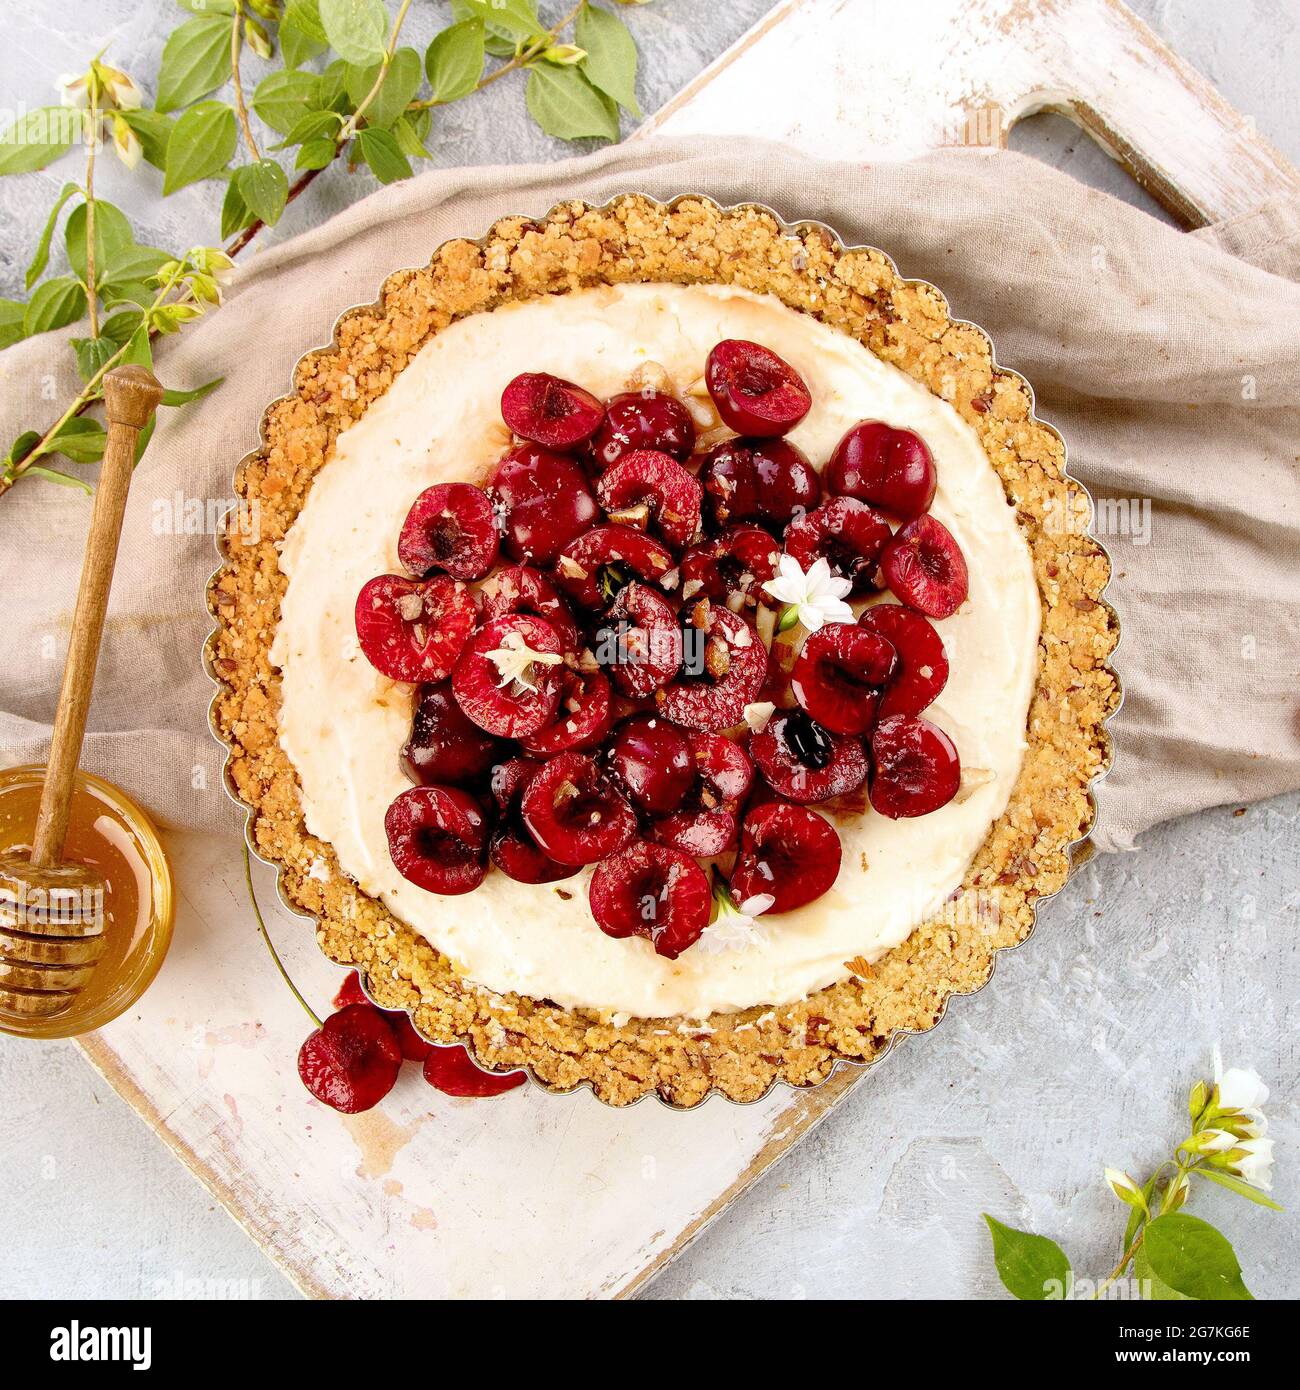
532,1195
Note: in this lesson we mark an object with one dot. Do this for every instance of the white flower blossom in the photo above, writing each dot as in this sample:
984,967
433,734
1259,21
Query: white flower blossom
734,926
126,143
1239,1088
815,597
1256,1167
74,90
120,89
516,660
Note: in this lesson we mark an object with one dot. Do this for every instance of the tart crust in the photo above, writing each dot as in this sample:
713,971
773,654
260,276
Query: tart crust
1028,852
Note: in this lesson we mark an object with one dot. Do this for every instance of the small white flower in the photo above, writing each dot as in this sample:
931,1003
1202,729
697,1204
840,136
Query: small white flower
121,90
1240,1088
1256,1167
1124,1187
816,598
515,662
1213,1141
74,90
126,143
734,926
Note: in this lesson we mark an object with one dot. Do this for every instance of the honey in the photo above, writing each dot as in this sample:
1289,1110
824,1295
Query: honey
110,834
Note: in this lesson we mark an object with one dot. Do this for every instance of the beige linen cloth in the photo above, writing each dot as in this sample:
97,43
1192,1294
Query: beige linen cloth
1170,363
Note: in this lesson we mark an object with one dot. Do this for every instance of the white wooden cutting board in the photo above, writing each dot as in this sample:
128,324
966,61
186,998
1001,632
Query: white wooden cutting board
532,1195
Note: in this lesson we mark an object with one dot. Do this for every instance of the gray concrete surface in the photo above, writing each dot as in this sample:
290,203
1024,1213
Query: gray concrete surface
1078,1054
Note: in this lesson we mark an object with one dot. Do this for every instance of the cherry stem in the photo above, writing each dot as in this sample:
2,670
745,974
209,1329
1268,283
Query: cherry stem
270,945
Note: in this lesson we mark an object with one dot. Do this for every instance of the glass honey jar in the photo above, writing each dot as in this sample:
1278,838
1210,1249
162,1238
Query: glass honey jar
111,834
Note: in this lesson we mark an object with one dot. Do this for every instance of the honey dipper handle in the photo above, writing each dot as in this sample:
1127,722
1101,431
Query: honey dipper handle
131,395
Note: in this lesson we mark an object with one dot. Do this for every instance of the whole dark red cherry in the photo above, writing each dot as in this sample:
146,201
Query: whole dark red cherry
550,411
643,420
351,1061
768,481
890,468
655,763
545,500
445,746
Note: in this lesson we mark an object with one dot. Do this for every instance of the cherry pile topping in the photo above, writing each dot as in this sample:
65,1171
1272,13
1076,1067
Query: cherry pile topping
605,668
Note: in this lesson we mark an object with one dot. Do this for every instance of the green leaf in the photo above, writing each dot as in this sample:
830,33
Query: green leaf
454,60
92,354
55,304
12,313
1235,1184
154,130
382,153
401,82
139,350
1153,1288
120,326
356,29
304,15
1193,1258
516,18
42,257
52,475
226,7
315,154
408,139
80,439
264,189
128,292
1027,1264
170,397
610,63
143,438
113,236
200,146
37,138
22,446
235,214
283,98
566,105
195,61
313,126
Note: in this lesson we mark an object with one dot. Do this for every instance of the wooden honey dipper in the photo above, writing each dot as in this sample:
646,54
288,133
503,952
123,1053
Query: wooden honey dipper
51,912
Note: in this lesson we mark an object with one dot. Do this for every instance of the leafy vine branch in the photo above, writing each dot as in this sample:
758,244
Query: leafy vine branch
344,87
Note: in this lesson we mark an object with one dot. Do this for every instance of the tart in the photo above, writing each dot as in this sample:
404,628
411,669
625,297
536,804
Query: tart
702,436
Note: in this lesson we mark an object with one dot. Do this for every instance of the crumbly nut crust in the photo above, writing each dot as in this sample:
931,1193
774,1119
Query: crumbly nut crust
906,323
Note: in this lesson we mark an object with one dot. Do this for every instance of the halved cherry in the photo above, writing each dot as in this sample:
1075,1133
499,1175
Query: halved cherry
450,527
594,567
643,420
522,589
640,643
582,717
513,849
575,812
508,680
545,501
646,481
452,1071
707,823
888,467
731,568
787,851
414,629
847,534
755,391
914,767
730,669
839,676
654,761
805,762
925,568
767,481
437,839
351,1061
922,670
652,891
550,411
445,746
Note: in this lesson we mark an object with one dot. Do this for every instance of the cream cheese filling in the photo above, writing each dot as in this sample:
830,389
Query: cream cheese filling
342,724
